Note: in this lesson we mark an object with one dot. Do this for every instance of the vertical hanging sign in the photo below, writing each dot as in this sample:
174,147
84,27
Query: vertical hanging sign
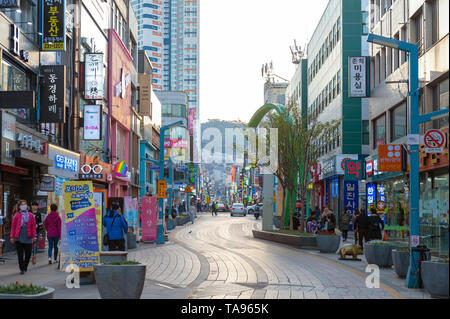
54,25
92,128
53,94
94,78
357,77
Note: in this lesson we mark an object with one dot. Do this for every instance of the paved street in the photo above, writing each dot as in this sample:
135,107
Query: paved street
218,257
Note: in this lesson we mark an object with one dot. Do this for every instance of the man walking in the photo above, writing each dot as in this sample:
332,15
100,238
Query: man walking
345,225
362,227
375,225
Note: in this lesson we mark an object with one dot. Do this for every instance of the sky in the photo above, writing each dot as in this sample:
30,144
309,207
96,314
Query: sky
236,38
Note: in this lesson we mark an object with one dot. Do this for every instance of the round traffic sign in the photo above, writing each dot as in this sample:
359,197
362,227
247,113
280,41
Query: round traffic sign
434,139
380,206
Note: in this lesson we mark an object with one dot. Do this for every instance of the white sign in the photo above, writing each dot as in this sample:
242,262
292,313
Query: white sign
434,141
93,76
357,72
413,139
92,122
415,240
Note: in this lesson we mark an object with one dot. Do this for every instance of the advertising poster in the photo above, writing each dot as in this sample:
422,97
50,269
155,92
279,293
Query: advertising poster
92,129
149,218
98,199
131,211
81,224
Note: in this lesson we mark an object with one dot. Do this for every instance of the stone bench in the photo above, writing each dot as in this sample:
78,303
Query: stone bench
113,256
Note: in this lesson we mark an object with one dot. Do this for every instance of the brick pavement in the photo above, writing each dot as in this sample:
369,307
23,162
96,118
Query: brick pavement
217,257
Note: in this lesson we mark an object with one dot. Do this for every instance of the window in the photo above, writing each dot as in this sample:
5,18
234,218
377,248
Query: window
338,82
398,122
330,91
365,132
379,131
334,86
440,100
14,79
365,23
338,32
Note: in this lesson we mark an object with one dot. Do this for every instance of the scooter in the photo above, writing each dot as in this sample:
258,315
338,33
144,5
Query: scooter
256,213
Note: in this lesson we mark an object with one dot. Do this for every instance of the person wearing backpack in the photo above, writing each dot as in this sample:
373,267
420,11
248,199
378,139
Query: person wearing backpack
376,225
345,224
116,226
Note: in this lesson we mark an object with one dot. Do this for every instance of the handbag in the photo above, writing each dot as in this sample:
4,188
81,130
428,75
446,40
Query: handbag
105,236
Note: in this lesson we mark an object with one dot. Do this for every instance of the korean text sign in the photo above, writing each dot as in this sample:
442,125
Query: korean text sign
354,170
357,74
53,94
81,224
351,195
94,78
390,158
53,25
149,219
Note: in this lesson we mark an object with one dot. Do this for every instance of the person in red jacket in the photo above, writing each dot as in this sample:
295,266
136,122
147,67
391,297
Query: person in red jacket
23,234
52,224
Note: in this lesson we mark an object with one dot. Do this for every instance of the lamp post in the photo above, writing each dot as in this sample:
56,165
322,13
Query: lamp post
413,277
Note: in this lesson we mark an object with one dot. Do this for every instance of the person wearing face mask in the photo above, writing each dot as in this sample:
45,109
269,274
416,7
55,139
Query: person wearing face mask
23,234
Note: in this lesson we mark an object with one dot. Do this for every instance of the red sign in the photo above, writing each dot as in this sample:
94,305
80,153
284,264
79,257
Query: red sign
380,206
390,158
369,168
149,218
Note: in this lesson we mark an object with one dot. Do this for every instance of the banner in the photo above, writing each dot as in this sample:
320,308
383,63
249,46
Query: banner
53,94
192,113
149,218
357,74
54,25
81,225
131,211
94,80
92,128
99,199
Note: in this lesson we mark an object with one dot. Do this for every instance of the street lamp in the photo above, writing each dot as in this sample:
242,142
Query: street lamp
413,277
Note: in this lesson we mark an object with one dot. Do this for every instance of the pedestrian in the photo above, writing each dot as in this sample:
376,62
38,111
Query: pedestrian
362,225
52,225
311,225
324,221
199,207
355,215
23,234
39,225
115,226
331,225
345,224
376,225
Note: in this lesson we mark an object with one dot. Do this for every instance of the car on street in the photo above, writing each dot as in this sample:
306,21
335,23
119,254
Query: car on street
221,208
238,209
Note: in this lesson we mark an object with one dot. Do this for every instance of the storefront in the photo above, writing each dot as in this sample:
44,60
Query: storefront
66,165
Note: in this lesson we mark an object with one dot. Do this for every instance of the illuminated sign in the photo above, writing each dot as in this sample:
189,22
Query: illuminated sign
54,25
371,194
94,80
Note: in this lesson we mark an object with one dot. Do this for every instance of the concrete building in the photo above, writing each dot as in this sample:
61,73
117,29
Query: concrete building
424,23
297,90
340,33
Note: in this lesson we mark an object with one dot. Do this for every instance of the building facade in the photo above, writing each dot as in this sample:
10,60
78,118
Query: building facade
340,34
424,23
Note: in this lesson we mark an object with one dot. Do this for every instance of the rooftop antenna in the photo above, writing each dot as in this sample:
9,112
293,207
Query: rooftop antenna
297,53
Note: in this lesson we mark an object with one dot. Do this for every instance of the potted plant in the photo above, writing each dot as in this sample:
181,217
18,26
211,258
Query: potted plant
379,253
24,291
435,277
400,259
328,242
120,280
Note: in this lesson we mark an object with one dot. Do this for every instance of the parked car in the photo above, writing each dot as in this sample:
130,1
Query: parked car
238,209
221,208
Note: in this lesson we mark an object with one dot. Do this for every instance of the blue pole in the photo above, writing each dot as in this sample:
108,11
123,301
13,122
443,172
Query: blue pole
170,227
160,237
413,277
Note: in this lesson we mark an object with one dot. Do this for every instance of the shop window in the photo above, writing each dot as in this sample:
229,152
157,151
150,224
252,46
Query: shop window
379,131
398,122
15,79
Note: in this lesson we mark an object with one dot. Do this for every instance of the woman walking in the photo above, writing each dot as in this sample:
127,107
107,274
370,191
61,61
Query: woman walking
23,234
52,224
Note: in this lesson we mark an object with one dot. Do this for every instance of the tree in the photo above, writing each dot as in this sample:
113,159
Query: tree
298,150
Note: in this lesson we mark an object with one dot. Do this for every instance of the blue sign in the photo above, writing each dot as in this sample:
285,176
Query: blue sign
351,195
66,163
154,168
183,169
371,195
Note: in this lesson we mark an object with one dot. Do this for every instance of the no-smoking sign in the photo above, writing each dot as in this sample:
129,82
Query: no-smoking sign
434,141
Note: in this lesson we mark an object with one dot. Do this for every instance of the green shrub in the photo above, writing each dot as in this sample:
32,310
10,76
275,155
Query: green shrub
442,261
22,289
123,262
402,248
379,242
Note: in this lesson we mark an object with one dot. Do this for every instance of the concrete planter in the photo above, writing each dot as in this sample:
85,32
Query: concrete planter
120,281
328,243
435,278
44,295
303,242
131,241
380,255
400,260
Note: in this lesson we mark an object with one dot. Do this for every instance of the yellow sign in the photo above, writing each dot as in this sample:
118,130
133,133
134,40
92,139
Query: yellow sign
162,185
274,198
187,190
